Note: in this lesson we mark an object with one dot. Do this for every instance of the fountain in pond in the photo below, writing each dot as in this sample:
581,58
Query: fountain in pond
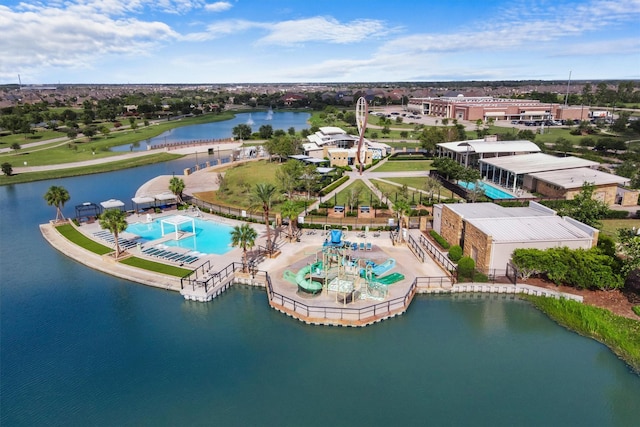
250,121
270,114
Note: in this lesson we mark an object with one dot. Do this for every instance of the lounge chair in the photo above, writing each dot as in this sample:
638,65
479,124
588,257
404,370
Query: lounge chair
361,247
369,246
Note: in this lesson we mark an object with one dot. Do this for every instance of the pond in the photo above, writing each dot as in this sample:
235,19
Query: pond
224,129
80,347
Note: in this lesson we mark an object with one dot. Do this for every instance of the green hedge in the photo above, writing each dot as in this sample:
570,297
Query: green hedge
455,253
329,188
466,267
438,238
585,269
611,214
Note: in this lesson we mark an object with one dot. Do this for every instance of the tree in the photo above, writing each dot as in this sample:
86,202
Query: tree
57,196
563,145
353,197
242,131
629,245
7,169
265,131
431,185
289,210
176,186
15,146
263,195
289,175
448,167
115,221
585,208
244,236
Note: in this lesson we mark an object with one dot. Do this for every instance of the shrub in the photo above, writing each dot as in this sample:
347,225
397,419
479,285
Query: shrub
455,253
611,214
480,277
636,309
438,238
466,267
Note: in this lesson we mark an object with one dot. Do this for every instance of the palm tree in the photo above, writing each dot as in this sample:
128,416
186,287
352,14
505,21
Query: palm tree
115,221
57,196
289,210
263,195
176,186
244,236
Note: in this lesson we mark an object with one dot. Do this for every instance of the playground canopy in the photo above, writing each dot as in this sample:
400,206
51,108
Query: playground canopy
176,221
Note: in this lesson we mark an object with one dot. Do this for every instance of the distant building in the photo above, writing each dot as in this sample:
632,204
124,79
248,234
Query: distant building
333,143
489,233
487,107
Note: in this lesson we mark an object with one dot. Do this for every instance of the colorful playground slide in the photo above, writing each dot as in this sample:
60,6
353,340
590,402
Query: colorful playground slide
389,279
380,269
300,278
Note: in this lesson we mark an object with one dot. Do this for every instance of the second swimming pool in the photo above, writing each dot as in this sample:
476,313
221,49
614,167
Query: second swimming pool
210,237
489,190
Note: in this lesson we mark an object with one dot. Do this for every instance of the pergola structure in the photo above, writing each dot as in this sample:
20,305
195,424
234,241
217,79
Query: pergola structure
166,198
176,221
87,211
112,204
139,203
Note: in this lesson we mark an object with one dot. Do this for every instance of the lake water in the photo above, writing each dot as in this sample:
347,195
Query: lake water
79,347
224,129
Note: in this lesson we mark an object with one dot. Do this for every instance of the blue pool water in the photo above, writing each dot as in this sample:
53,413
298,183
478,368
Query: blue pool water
210,237
489,190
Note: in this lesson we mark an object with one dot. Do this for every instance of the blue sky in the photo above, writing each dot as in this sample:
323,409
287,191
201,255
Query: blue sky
241,41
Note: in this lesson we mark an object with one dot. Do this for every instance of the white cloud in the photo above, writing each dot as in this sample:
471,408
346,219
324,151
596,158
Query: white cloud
42,36
219,6
322,29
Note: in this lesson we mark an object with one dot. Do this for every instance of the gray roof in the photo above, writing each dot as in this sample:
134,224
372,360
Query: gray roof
491,210
574,178
537,162
482,146
529,229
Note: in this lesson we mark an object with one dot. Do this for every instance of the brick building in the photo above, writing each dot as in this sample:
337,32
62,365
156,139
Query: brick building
489,233
487,107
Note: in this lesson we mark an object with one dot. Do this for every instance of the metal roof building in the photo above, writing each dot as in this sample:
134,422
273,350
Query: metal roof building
490,233
468,153
510,171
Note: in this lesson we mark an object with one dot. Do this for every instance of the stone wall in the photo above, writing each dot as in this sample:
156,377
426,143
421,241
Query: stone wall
477,245
451,226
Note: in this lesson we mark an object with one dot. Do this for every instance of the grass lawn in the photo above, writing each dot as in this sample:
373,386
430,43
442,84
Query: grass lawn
404,165
366,197
241,180
86,170
418,183
610,226
81,149
76,237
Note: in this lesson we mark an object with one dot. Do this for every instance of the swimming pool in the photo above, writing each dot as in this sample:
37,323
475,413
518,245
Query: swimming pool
210,237
489,190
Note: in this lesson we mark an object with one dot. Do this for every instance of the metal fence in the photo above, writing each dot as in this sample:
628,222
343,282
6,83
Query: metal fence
437,255
370,313
415,247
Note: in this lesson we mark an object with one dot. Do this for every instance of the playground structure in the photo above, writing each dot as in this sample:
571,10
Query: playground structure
338,269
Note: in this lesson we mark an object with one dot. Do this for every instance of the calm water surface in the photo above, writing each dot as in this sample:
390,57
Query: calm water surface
78,347
224,129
